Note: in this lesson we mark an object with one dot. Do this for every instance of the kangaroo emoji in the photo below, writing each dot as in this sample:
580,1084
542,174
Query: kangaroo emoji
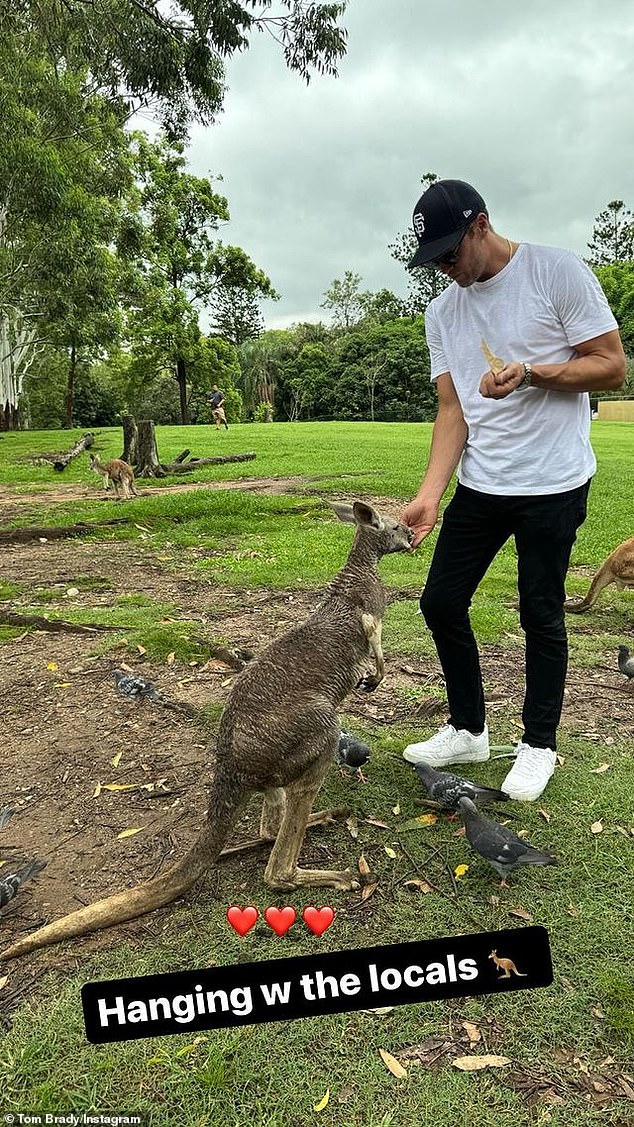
507,965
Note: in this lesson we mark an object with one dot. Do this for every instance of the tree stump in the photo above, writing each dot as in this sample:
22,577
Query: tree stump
147,459
130,440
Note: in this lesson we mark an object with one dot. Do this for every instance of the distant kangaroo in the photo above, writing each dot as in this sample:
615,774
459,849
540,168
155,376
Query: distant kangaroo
278,734
506,965
119,473
618,569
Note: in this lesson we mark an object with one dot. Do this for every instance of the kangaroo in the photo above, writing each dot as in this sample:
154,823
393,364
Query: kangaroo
278,735
618,569
507,965
119,473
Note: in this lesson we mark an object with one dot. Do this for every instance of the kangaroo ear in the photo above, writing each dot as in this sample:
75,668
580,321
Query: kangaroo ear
343,511
365,514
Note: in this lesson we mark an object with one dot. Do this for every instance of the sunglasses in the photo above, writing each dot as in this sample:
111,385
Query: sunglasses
449,257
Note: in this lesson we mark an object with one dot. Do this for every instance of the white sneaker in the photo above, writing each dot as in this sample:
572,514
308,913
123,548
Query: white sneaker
530,773
450,745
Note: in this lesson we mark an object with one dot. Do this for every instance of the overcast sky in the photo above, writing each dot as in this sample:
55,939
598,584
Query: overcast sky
532,103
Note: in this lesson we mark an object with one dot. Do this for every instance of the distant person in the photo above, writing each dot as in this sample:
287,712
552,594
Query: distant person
518,432
216,400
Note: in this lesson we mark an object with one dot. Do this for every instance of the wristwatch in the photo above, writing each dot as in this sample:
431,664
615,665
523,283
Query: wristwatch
527,381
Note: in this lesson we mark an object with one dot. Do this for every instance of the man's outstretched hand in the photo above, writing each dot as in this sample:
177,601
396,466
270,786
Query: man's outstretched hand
421,516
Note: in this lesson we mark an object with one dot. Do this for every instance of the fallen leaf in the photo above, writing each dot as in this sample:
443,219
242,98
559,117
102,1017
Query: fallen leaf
421,820
72,591
494,901
609,740
396,809
97,791
521,914
561,759
4,980
128,833
596,828
52,665
142,650
390,852
118,786
395,1067
376,822
545,815
115,761
322,1103
367,890
472,1031
190,1048
598,1013
572,911
364,868
170,658
379,1010
460,871
422,885
353,828
601,769
474,1064
64,684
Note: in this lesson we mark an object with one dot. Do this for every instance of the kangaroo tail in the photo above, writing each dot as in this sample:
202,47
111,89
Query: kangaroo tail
143,898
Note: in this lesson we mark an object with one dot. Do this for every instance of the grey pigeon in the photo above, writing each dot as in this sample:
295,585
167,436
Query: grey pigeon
447,789
503,849
5,816
11,884
352,753
626,662
135,687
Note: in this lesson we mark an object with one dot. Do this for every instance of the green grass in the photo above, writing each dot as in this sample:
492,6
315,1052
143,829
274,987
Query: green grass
272,1076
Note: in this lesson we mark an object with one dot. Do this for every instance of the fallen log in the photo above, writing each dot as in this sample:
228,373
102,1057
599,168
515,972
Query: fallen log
59,461
194,463
55,625
59,532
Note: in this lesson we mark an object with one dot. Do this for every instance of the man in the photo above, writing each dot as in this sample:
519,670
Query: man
519,435
216,400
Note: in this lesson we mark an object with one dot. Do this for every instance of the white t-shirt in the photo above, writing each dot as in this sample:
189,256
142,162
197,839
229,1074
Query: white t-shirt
536,309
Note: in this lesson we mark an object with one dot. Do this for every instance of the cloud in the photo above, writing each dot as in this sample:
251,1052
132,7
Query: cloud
532,105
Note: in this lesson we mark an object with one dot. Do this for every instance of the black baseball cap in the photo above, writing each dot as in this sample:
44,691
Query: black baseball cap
441,215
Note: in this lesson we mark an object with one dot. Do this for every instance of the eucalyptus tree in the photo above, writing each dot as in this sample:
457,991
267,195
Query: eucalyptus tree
169,232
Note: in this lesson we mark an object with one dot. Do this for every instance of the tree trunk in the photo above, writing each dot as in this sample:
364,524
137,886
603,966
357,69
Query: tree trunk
147,462
70,388
60,461
130,440
181,377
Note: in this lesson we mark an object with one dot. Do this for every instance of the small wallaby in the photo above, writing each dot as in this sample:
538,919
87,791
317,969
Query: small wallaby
119,473
507,965
278,734
618,569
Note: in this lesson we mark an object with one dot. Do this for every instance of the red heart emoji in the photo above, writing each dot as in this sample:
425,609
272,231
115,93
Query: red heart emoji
318,919
242,919
280,919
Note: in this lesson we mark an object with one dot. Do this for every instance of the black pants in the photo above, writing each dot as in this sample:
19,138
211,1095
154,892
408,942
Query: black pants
474,528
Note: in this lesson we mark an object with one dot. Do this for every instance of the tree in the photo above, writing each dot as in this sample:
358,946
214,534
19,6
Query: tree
172,55
345,300
612,235
169,231
617,281
423,283
63,165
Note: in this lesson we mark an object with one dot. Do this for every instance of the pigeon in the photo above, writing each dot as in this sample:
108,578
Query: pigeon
447,789
135,687
5,816
352,753
11,884
503,849
626,663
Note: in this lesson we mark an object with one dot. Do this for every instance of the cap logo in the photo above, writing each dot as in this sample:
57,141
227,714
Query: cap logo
468,212
419,224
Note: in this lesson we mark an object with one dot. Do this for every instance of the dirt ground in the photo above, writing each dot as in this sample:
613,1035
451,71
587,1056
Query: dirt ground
64,723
